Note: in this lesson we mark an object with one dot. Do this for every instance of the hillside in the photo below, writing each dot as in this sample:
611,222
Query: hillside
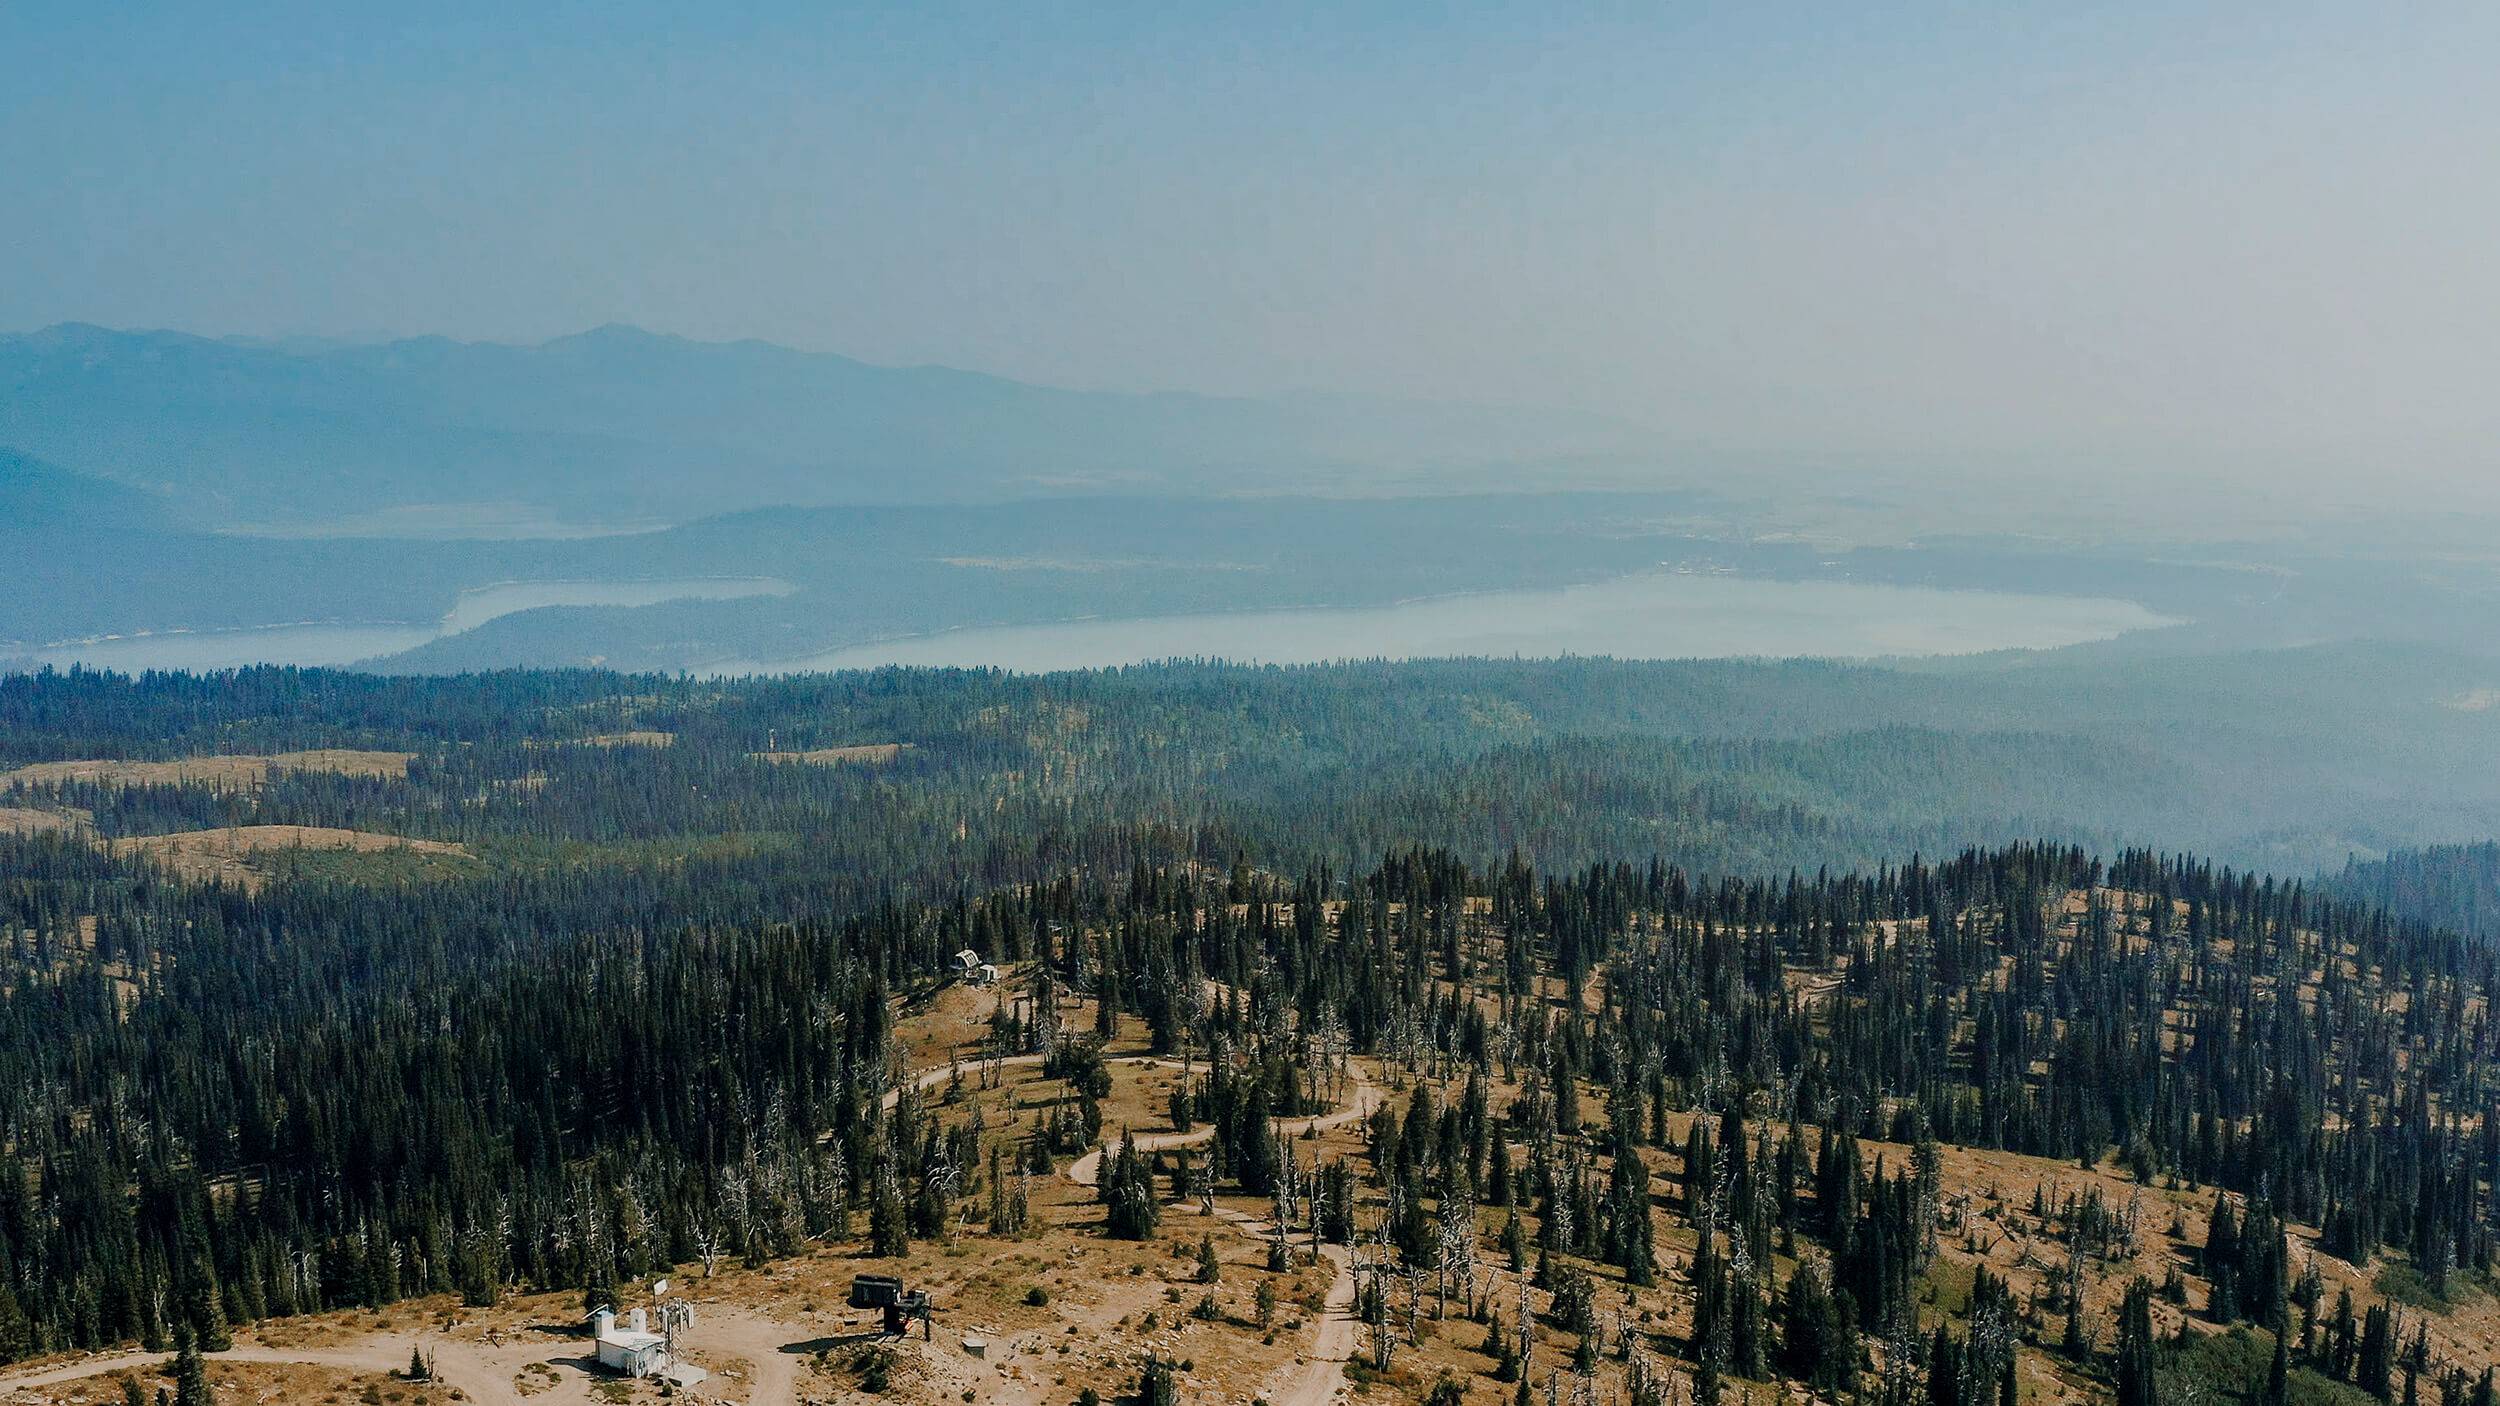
1629,1129
619,426
2451,886
1642,1069
36,497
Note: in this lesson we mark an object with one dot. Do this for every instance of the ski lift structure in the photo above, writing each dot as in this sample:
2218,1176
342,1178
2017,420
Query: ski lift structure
900,1305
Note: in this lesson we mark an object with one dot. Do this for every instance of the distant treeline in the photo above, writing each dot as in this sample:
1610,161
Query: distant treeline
2272,761
2449,886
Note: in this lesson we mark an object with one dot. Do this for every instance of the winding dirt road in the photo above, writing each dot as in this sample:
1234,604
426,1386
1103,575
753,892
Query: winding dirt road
1316,1379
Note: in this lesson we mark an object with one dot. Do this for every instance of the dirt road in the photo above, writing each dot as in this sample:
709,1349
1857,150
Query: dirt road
456,1365
1319,1376
773,1376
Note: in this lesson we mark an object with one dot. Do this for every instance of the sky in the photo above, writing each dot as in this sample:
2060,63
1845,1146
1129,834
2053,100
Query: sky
2248,237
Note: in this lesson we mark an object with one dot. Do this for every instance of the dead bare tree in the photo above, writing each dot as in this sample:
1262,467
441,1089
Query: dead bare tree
1414,1302
1456,1255
1527,1323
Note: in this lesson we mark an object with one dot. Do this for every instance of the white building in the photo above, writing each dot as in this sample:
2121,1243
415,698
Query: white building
970,967
632,1349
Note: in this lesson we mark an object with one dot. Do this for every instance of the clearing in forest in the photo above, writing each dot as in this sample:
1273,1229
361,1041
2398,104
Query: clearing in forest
229,855
235,772
874,753
31,820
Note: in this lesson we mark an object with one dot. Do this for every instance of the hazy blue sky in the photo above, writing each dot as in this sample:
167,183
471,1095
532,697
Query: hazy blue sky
2257,233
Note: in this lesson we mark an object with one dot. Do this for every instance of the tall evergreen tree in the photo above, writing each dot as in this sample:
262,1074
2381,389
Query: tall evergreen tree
2134,1371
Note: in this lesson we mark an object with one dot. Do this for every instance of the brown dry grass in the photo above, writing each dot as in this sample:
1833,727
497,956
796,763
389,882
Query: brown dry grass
1991,1192
28,820
869,754
1107,1301
233,772
228,855
951,1024
245,1384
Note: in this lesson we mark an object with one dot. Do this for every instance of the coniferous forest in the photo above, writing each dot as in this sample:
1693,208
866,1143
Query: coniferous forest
636,1007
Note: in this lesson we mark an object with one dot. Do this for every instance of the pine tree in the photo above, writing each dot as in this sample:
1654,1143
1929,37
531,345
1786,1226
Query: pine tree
1818,1345
16,1339
1127,1189
206,1309
2343,1338
1944,1370
889,1233
2136,1386
1254,1150
1631,1239
2375,1363
2221,1261
190,1372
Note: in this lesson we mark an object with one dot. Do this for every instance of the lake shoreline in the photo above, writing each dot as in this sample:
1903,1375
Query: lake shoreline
1738,617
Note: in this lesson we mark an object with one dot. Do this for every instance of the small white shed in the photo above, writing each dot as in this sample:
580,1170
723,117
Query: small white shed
632,1349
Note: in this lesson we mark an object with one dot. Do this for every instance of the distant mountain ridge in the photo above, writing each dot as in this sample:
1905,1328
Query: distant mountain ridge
36,497
619,424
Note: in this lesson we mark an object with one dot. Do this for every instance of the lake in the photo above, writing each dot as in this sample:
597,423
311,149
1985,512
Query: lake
330,643
1660,616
